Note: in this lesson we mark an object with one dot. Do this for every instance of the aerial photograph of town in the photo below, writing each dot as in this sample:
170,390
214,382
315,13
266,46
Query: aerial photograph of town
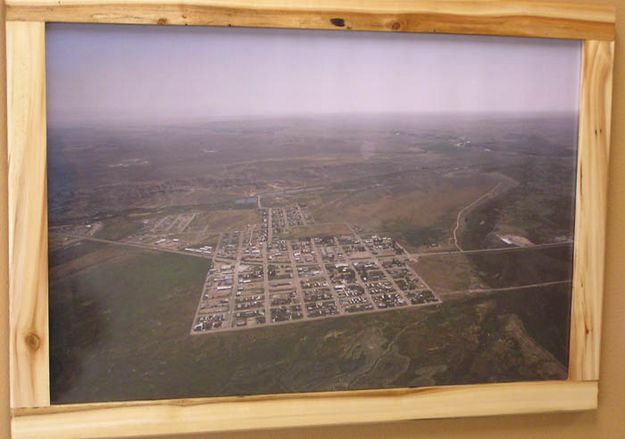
278,211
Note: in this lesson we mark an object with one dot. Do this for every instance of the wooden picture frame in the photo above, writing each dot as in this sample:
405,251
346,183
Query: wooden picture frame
33,416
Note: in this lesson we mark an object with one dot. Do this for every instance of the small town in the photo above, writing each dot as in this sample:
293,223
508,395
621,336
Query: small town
257,279
264,275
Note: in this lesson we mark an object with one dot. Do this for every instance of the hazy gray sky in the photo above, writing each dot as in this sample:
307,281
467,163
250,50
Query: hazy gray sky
171,73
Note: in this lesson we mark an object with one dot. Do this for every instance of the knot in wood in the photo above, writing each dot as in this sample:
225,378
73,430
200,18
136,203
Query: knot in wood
32,341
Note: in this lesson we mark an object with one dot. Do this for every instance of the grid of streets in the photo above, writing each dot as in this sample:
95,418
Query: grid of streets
259,279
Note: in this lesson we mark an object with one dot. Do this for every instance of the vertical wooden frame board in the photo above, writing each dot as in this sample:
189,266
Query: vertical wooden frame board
28,228
591,209
33,417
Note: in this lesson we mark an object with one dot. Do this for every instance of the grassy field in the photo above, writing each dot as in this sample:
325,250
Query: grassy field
112,318
118,228
316,230
224,220
413,210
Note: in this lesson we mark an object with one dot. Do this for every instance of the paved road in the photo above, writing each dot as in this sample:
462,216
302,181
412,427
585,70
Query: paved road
503,289
357,277
235,278
326,276
266,282
301,214
296,280
493,250
206,289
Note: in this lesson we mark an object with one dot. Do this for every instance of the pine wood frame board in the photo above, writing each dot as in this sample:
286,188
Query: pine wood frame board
34,417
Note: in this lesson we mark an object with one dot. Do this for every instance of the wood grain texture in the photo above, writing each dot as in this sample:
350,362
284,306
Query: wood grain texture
226,414
5,430
591,209
579,19
27,215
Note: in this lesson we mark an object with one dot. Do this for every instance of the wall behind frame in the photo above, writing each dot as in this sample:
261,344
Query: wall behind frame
606,423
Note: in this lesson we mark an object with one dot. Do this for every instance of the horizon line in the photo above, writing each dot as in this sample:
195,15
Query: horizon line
256,117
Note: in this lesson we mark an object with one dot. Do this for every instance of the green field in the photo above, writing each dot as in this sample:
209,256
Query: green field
116,315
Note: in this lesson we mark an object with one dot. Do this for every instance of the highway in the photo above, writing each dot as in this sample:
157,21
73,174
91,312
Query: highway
464,293
494,250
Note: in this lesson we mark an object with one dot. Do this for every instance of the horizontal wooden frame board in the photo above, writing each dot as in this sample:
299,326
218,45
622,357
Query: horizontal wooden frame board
577,19
227,414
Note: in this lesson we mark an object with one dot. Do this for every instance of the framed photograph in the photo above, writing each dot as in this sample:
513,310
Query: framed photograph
291,214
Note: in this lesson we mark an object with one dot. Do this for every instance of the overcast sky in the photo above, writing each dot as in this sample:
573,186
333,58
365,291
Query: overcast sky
173,73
